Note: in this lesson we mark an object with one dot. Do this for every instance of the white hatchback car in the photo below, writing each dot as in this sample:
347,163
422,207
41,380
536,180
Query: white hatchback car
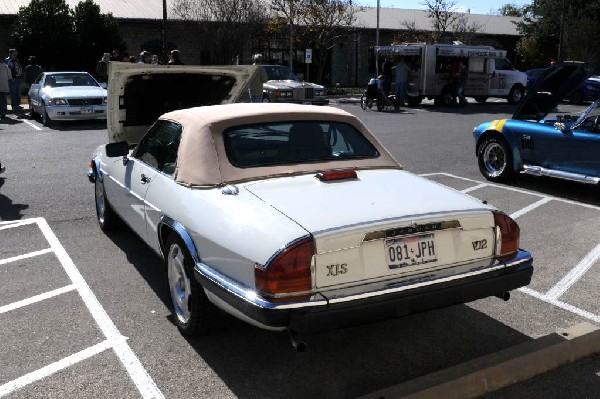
290,217
67,96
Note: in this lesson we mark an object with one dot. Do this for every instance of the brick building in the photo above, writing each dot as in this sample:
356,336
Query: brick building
351,61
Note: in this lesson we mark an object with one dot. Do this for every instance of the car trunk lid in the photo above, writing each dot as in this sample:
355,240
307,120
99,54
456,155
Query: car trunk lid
384,224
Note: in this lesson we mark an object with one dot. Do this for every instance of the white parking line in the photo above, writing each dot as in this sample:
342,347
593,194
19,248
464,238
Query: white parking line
25,256
530,208
54,368
575,274
33,125
137,372
37,298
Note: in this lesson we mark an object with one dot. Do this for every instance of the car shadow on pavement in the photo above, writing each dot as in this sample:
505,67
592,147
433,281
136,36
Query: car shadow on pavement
352,361
8,209
569,190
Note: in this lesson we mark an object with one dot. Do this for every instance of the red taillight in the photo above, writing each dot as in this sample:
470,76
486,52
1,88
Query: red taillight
289,271
508,236
331,175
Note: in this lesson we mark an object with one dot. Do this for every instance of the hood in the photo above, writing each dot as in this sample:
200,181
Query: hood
138,94
75,91
551,87
376,196
290,84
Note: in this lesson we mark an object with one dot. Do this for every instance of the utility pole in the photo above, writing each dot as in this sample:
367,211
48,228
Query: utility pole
560,33
164,27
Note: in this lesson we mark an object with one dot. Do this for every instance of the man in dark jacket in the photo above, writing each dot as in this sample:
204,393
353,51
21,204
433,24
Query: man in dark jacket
16,80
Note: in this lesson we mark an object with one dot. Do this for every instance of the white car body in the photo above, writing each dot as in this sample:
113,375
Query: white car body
335,226
67,96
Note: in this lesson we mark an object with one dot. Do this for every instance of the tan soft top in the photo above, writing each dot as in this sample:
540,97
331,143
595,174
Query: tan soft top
202,161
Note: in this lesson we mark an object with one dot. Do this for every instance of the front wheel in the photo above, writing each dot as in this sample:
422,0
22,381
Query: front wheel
46,121
480,99
516,94
413,101
266,98
107,217
194,314
495,159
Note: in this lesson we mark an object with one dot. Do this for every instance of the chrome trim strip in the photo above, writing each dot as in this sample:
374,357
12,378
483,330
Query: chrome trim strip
559,174
413,229
251,297
183,234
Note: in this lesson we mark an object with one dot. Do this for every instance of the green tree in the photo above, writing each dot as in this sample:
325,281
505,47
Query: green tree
45,28
95,34
560,30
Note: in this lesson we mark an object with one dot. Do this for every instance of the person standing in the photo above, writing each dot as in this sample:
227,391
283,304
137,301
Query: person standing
4,88
175,58
145,57
386,68
463,76
16,80
401,81
256,86
102,68
33,70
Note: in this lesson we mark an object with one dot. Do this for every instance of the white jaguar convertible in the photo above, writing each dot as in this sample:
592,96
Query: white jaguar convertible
289,217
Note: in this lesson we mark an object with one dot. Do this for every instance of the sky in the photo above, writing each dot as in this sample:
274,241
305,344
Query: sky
476,6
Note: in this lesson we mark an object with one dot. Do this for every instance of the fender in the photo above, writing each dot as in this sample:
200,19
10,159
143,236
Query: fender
176,227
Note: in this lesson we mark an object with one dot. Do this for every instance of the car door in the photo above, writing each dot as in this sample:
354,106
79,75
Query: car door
153,158
585,147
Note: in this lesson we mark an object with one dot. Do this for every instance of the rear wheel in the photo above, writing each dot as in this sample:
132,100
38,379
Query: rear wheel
266,99
516,94
194,314
363,101
495,159
480,99
447,98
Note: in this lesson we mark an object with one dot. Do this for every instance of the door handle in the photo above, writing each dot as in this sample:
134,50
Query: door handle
145,179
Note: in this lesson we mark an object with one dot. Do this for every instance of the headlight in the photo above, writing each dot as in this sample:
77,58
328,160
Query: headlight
283,93
105,100
57,101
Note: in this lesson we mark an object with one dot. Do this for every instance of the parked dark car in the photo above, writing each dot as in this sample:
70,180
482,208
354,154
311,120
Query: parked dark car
589,90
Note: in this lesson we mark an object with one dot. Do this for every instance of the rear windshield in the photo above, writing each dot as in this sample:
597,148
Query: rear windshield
265,144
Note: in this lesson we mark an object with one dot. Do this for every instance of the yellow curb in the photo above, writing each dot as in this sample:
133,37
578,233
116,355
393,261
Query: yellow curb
498,370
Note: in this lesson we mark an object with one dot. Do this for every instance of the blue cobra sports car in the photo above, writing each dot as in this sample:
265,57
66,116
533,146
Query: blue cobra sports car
565,146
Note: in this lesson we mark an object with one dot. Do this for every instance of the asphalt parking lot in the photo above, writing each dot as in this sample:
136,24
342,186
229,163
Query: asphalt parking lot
83,314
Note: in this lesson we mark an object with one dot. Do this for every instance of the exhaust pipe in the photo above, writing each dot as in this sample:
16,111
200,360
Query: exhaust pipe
505,296
297,342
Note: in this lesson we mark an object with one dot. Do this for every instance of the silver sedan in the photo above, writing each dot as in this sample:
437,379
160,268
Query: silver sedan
67,96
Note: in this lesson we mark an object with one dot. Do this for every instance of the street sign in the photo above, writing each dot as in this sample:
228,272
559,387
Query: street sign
308,56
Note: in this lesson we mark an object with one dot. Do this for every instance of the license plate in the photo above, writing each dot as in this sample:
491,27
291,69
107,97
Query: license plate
410,251
87,110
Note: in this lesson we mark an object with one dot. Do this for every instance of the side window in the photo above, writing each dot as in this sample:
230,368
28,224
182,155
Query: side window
158,148
502,64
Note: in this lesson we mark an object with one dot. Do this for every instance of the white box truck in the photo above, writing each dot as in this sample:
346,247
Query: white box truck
490,74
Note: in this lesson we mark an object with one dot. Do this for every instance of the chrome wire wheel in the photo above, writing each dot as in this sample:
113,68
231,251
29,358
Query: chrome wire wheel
179,284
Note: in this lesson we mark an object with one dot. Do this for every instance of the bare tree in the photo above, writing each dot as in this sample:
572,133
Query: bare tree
442,14
463,30
319,22
230,22
287,11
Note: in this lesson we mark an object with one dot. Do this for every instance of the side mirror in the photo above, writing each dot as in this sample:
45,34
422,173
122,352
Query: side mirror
119,149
